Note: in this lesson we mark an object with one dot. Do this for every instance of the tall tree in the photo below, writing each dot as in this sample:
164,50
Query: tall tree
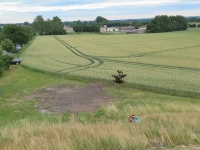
48,27
26,23
164,23
100,19
39,24
56,19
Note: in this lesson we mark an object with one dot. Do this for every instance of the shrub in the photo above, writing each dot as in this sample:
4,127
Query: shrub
192,25
7,45
6,61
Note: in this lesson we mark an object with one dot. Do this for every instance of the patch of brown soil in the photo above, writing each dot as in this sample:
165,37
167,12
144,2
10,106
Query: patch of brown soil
61,99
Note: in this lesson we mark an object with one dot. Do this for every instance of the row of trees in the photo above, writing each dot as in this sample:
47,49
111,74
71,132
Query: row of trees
94,26
86,28
166,23
103,21
194,25
17,34
48,27
10,36
194,19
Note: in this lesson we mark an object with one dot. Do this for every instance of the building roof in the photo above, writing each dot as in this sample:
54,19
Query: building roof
113,27
143,27
128,28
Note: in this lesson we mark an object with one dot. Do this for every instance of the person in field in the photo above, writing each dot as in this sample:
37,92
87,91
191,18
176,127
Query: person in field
134,118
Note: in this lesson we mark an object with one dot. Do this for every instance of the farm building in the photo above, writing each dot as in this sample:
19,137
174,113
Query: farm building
129,29
104,28
125,29
142,29
68,28
113,29
133,29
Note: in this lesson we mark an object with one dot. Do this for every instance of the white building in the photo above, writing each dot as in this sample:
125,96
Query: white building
142,29
68,28
104,29
133,29
113,29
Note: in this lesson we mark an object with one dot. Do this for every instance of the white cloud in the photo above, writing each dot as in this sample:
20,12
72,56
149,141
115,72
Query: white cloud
190,12
25,11
22,7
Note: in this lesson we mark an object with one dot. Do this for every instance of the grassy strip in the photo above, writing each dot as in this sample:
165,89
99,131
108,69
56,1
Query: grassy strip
159,90
24,47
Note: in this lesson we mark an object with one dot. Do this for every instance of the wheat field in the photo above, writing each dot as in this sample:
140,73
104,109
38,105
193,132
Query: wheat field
165,61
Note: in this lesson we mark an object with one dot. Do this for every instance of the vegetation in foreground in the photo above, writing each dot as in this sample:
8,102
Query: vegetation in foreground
166,121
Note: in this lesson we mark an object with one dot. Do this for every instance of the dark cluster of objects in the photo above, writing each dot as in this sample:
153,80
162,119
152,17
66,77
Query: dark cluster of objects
119,78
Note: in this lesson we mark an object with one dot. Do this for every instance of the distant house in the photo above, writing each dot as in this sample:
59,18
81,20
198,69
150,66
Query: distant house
142,29
104,29
133,29
129,29
68,28
113,29
125,29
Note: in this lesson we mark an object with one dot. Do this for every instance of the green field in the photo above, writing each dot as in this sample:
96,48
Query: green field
164,62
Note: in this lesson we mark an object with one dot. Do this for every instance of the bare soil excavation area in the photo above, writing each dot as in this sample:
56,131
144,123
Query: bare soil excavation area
61,99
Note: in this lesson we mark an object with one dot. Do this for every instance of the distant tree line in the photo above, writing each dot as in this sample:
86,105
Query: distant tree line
166,23
94,26
193,25
86,28
48,27
194,19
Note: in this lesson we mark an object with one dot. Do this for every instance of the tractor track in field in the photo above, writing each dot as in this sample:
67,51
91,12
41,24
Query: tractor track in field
150,53
94,62
153,65
102,59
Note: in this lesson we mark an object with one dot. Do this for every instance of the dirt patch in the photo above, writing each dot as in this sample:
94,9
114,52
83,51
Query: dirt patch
61,99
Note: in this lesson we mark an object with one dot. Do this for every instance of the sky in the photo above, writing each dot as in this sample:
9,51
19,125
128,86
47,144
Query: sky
19,11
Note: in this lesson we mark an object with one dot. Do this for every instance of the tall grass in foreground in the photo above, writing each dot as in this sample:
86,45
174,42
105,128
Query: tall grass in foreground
157,129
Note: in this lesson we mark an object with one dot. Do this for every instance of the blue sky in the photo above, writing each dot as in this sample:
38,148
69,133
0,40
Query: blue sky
16,11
